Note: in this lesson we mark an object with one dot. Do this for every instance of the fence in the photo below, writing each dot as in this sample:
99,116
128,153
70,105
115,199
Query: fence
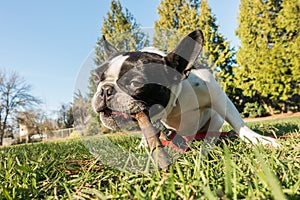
59,134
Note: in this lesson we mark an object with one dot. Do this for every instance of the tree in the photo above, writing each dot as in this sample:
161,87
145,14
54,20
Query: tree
120,29
65,116
176,19
14,97
179,17
80,109
36,122
268,31
289,24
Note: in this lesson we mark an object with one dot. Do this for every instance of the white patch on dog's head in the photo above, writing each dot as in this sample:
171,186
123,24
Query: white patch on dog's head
153,50
114,68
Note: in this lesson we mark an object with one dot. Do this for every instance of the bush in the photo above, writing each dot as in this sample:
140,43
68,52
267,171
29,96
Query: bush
95,128
75,134
253,110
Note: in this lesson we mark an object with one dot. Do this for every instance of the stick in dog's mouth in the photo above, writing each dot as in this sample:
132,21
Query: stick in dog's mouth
154,143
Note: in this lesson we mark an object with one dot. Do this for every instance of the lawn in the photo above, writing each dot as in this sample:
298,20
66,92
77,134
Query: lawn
231,170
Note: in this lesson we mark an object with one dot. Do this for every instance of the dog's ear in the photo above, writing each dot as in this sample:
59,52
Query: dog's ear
183,57
109,49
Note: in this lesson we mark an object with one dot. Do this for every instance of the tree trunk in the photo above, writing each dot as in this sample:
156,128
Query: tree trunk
1,137
3,127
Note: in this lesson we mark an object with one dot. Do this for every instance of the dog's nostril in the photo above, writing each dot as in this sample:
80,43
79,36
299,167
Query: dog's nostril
107,90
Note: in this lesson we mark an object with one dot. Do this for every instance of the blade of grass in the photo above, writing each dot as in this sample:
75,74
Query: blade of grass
6,194
271,179
208,193
228,173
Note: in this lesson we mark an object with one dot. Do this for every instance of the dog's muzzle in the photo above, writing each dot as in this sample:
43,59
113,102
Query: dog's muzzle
103,97
117,110
107,90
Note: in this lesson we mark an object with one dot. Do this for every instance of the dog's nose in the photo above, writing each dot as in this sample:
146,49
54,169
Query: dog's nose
107,90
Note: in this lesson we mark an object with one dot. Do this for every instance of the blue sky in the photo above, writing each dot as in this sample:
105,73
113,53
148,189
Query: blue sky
46,42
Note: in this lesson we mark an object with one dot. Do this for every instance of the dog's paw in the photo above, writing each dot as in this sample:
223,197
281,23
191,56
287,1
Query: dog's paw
249,136
267,141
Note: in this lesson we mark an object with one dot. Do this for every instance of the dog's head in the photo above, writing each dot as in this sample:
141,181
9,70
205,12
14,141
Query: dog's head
131,82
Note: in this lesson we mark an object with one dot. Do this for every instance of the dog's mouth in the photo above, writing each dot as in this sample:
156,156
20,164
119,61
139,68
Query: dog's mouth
112,113
117,120
118,115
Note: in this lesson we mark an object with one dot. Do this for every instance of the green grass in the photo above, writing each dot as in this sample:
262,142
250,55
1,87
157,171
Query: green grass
231,170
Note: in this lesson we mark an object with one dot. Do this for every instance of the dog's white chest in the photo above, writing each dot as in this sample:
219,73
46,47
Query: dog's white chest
192,107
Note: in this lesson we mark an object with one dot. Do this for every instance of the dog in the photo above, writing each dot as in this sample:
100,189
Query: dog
171,88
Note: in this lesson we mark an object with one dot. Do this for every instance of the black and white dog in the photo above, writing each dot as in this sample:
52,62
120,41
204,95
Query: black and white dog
169,88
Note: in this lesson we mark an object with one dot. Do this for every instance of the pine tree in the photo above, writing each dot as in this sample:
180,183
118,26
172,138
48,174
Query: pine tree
178,18
266,73
217,53
121,30
289,24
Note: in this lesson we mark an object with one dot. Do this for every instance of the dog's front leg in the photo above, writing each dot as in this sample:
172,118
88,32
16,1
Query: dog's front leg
226,109
233,117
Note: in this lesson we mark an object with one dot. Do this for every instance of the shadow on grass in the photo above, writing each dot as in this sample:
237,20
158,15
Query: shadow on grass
277,129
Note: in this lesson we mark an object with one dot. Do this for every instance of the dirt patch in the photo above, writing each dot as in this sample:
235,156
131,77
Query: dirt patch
278,116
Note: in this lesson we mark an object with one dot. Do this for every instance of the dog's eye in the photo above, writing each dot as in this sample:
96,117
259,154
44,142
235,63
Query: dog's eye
136,84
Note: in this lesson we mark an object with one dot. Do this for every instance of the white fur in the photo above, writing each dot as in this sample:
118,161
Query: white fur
249,136
114,68
200,98
153,50
206,100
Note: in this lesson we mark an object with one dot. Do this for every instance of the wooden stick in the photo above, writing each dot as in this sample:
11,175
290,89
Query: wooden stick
156,148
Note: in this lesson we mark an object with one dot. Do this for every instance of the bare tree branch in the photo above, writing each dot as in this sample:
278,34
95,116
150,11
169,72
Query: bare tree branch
14,96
